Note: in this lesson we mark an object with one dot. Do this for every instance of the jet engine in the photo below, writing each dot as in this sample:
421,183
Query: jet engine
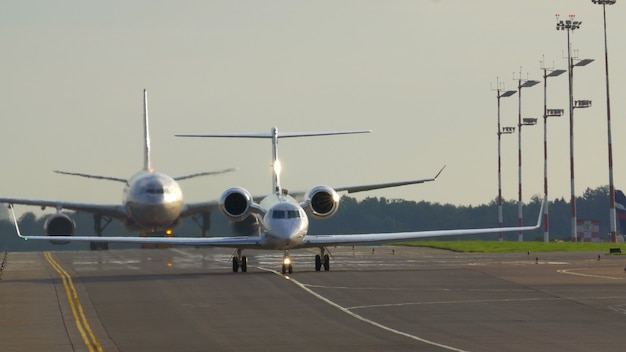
321,202
236,203
59,225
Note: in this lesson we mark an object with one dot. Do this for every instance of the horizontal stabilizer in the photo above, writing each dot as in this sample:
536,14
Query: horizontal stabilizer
206,173
99,177
270,135
354,189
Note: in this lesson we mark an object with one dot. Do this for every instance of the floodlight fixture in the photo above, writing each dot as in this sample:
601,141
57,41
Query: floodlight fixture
508,130
529,83
604,2
508,93
581,104
583,62
567,25
555,73
554,112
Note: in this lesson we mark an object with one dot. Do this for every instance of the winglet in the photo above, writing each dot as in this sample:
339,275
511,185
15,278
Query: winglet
17,227
543,205
439,173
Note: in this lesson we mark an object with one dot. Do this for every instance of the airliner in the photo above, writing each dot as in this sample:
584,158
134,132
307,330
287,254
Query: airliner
284,220
151,201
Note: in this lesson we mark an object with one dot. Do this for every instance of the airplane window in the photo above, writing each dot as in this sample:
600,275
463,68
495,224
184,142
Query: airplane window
155,190
293,214
278,214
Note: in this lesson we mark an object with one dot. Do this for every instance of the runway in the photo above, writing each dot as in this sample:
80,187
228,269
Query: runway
373,299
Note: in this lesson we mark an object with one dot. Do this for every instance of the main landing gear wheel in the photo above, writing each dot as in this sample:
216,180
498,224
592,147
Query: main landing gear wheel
240,262
318,263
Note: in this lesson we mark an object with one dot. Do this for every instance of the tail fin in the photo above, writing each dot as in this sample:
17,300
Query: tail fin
147,166
274,135
620,208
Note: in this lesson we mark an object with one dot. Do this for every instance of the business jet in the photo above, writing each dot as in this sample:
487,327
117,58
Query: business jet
151,201
284,220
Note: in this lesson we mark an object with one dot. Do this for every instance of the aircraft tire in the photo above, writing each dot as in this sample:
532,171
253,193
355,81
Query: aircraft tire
236,265
326,263
318,263
244,264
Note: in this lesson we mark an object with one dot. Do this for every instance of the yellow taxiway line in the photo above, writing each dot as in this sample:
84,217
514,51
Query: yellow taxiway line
77,309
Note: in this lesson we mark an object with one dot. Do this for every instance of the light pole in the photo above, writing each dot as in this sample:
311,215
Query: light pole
521,83
612,217
501,131
547,113
571,25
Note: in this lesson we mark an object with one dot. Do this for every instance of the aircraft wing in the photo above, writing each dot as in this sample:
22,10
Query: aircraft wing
354,189
245,242
336,240
199,207
111,210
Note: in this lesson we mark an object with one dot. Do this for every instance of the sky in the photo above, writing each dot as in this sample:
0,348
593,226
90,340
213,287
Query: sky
422,75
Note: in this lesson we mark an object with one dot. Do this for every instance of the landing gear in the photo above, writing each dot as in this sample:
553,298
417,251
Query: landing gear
287,267
98,228
204,223
240,262
319,262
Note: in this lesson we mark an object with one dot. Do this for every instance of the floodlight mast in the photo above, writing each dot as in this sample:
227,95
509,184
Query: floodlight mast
547,113
612,213
571,25
521,83
501,93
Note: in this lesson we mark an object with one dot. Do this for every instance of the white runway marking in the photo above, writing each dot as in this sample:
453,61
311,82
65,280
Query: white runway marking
571,272
356,316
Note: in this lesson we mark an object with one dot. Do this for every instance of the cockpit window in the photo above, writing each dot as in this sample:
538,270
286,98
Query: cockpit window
155,190
293,214
278,214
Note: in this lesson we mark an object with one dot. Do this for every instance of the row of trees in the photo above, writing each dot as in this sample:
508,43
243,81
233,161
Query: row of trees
368,215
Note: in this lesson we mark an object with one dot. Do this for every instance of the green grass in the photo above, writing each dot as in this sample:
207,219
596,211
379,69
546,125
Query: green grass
511,247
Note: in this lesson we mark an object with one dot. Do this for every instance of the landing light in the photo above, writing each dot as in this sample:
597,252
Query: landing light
287,261
277,167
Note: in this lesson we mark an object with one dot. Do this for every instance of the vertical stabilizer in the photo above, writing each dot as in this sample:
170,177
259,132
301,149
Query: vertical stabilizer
275,163
147,166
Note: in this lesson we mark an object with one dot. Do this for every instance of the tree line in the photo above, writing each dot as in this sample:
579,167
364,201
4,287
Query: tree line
367,215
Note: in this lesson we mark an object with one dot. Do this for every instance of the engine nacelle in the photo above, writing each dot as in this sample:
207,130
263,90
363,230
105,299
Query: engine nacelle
321,202
59,225
236,203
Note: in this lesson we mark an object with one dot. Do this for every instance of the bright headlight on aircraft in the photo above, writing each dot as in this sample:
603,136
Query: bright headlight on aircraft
287,261
277,167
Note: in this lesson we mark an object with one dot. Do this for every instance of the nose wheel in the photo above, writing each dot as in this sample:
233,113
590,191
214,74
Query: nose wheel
287,267
240,261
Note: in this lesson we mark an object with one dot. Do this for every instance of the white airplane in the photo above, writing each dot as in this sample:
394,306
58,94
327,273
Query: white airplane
152,201
284,220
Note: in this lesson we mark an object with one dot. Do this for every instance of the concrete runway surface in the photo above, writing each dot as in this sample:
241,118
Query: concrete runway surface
373,299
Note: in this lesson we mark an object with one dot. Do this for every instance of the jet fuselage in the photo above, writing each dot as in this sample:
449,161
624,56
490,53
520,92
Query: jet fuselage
284,222
153,201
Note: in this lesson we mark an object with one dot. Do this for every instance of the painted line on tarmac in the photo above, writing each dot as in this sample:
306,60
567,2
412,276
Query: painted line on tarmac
359,317
77,309
571,272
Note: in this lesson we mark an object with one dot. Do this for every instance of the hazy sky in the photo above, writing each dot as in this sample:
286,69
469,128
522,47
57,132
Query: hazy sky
420,74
